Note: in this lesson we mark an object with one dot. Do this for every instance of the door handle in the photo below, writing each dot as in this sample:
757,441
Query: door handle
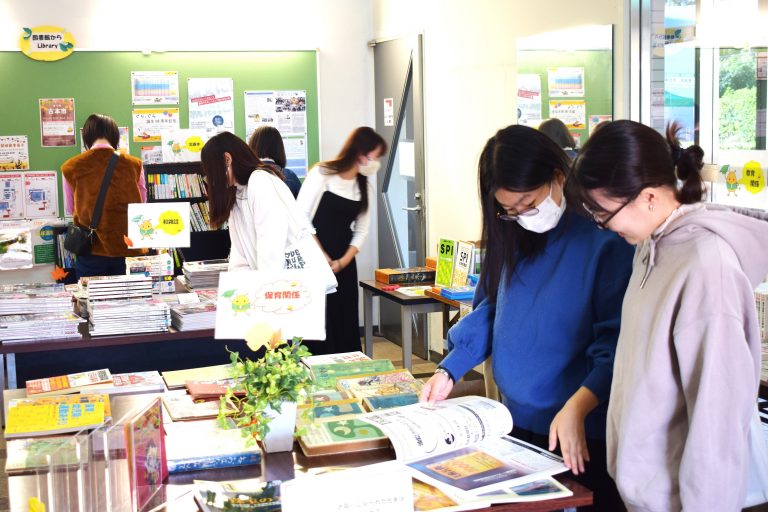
416,208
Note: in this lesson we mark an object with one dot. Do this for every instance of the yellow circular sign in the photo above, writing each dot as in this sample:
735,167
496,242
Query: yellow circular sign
194,144
46,42
752,177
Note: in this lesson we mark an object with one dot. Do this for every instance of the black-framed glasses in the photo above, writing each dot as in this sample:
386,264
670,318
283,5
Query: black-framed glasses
513,217
603,224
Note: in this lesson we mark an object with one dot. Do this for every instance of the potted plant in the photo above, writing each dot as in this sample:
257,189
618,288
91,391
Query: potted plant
268,389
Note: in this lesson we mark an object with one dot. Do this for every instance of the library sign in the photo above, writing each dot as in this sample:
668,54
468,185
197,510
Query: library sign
47,43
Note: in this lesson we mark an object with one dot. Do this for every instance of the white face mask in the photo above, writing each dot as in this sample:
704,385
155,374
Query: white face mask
370,168
547,218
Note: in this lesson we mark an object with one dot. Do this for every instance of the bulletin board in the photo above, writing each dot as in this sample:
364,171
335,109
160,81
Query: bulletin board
100,82
598,78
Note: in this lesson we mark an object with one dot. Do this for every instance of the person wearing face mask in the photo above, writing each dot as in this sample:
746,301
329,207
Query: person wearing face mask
547,308
336,196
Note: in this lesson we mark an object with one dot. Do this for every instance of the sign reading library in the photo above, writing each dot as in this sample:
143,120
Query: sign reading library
46,43
158,225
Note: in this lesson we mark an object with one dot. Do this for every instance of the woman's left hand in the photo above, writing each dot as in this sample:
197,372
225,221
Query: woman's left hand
336,266
568,429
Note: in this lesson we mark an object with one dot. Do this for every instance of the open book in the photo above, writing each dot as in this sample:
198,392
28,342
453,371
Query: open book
459,446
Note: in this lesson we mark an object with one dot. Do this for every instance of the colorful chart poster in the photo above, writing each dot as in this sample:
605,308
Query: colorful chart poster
41,194
211,105
596,119
148,123
296,154
285,110
291,300
571,112
155,87
565,82
57,122
123,146
158,225
183,145
11,196
14,152
151,155
529,100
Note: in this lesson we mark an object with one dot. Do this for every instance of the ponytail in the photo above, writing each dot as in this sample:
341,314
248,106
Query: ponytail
688,163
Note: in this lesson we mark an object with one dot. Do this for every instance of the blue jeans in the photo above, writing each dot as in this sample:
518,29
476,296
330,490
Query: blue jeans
93,265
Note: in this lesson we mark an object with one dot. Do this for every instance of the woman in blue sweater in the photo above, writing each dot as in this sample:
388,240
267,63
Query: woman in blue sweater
547,308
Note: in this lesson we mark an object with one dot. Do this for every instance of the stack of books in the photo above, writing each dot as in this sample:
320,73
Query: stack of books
115,302
36,312
192,317
34,327
157,266
203,274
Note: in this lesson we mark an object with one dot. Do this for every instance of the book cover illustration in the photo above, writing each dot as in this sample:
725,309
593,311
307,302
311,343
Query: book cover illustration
196,445
376,403
386,383
445,256
291,301
538,490
325,375
341,436
325,395
342,357
181,407
338,410
71,383
467,468
231,496
177,378
147,453
55,415
427,497
153,225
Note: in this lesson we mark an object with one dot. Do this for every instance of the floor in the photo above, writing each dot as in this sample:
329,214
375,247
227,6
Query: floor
382,349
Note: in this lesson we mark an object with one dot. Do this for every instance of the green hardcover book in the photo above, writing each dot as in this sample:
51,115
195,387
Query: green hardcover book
342,436
445,262
325,375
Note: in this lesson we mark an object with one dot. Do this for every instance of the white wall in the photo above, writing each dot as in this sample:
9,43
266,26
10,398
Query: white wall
469,89
338,29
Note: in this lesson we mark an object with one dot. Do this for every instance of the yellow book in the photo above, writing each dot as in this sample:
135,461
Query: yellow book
175,379
29,417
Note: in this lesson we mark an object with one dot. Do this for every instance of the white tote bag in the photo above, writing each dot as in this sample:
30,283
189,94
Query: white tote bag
302,251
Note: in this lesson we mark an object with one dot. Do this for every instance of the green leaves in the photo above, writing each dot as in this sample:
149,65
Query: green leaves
277,377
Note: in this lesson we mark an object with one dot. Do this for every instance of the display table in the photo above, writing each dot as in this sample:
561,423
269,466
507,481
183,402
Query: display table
408,306
177,494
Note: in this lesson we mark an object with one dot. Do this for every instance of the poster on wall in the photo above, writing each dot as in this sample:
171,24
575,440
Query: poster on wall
296,154
183,145
596,119
148,123
565,82
211,105
41,194
14,152
41,236
529,100
151,155
11,196
292,301
285,110
155,87
571,112
123,146
158,225
57,122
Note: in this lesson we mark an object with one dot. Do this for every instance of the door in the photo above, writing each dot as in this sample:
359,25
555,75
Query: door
401,225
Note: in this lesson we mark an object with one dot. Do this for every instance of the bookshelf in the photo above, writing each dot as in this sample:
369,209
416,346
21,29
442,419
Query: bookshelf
183,182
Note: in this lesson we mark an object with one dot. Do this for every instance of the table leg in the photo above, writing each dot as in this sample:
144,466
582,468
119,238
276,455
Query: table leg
406,315
11,364
2,388
368,321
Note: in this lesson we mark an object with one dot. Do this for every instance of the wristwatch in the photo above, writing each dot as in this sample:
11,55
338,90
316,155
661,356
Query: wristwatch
445,372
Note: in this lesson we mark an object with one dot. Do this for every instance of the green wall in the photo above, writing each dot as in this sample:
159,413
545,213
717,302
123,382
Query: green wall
598,78
100,82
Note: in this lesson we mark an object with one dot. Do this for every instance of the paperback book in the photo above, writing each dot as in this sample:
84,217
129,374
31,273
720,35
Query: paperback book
341,436
393,382
71,383
42,416
146,453
197,445
133,382
176,379
325,375
242,496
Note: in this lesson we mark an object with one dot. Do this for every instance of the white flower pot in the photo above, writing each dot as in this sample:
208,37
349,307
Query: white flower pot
280,435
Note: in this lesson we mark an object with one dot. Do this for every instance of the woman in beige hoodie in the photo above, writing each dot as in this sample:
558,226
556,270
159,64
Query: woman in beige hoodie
687,370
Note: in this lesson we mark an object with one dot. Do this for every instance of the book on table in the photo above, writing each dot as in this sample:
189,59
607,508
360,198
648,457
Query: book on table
210,389
324,376
37,453
393,382
181,407
341,357
147,467
133,383
460,446
243,495
176,379
197,445
70,383
41,416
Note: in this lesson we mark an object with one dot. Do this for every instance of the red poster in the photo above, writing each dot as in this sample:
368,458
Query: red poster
57,122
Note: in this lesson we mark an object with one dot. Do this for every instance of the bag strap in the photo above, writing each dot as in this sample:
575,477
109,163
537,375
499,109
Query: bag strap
103,192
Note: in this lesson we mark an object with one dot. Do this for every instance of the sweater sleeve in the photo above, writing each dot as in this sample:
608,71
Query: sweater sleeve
614,267
718,383
270,220
470,340
362,222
